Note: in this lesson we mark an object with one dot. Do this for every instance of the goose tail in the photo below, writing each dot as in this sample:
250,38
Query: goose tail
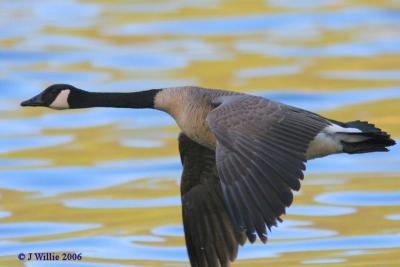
366,138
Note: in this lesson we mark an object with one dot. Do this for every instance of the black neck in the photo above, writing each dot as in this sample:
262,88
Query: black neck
142,99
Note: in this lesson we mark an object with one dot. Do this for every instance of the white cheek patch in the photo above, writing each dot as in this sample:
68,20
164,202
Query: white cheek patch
61,101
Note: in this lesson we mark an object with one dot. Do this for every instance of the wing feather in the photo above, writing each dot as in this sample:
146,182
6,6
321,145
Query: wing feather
212,239
260,156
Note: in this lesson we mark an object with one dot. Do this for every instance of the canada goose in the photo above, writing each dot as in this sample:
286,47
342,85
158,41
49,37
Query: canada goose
242,156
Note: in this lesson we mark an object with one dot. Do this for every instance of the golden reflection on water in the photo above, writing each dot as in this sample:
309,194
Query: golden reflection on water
355,51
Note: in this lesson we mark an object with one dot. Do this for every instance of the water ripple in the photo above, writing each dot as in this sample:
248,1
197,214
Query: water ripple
4,214
303,3
288,229
324,261
377,162
141,143
363,75
271,71
118,248
315,210
51,181
393,217
74,264
10,144
259,23
10,163
29,229
360,198
323,101
129,46
359,49
123,203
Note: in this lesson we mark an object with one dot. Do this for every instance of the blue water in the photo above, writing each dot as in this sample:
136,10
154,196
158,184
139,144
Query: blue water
361,198
52,181
122,248
255,23
287,230
394,217
29,229
130,203
318,210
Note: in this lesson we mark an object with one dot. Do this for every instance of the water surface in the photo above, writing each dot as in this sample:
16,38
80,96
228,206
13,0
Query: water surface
105,183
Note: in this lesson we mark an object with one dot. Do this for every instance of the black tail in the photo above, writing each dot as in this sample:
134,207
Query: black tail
371,138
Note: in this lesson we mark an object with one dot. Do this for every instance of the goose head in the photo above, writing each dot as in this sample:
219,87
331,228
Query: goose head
57,96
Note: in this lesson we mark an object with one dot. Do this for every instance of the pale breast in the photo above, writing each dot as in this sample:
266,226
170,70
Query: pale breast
189,106
193,122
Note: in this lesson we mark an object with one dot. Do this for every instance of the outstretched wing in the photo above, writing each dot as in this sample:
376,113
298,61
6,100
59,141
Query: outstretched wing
211,238
260,155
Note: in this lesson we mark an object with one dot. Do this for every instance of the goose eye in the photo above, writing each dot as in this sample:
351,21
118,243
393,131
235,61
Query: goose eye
49,96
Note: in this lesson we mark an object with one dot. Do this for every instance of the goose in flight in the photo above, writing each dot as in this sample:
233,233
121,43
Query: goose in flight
242,157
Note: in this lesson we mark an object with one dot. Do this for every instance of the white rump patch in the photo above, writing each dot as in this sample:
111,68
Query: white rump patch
61,101
328,141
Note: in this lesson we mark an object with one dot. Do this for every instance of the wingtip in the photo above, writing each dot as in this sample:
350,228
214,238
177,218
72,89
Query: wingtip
263,238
